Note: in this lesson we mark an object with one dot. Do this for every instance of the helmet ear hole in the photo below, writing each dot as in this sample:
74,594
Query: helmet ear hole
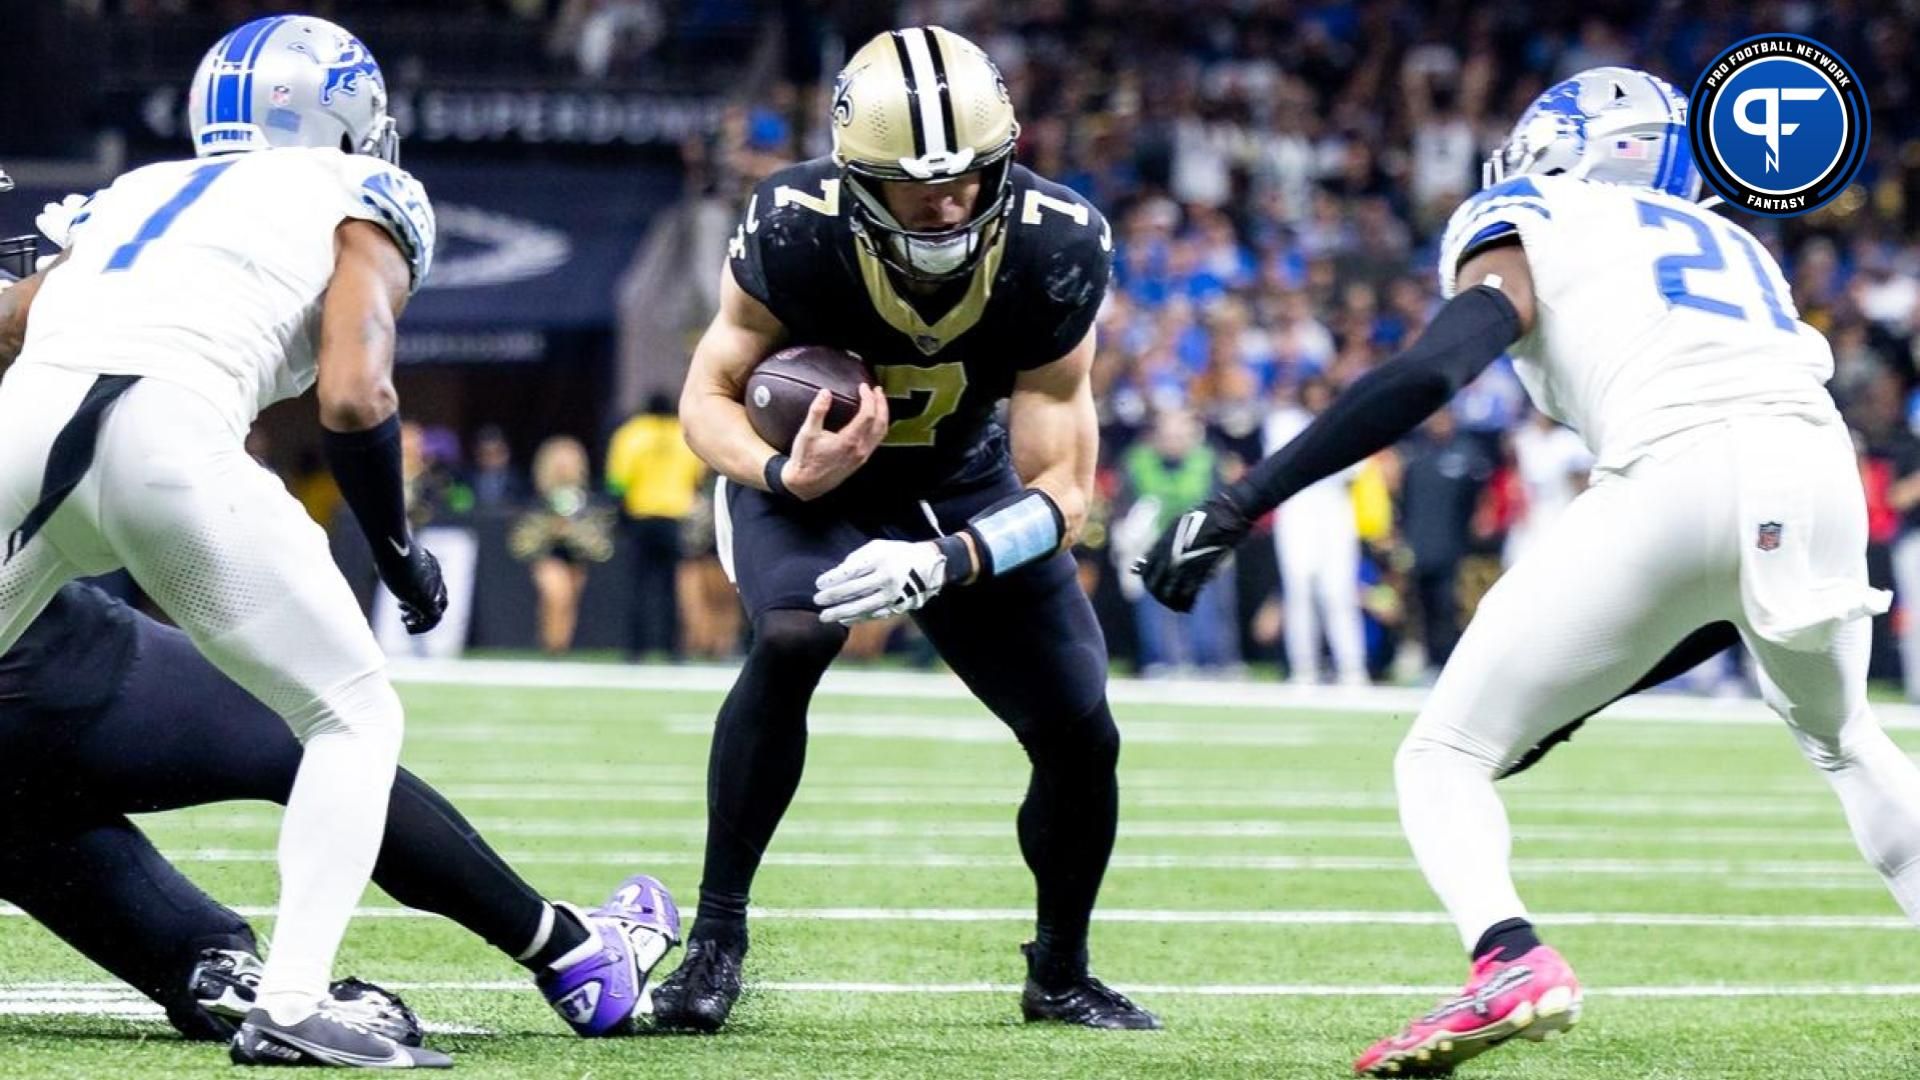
346,144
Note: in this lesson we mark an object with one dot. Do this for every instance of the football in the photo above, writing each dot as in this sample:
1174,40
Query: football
782,388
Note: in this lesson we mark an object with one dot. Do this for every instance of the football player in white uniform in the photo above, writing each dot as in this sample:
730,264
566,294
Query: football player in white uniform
1725,494
191,295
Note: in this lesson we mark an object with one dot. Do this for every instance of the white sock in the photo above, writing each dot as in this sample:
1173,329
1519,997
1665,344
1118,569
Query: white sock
329,840
1879,787
1458,829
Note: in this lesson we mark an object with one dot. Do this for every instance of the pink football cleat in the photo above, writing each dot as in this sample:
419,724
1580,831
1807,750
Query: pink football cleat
1535,997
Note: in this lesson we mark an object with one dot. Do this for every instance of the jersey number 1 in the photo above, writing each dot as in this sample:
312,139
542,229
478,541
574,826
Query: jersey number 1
156,225
1670,271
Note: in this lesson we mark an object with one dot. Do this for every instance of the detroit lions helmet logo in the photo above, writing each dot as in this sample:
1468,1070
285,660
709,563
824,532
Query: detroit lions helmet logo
347,62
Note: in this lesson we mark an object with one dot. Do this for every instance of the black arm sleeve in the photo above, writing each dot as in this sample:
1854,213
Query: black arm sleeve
367,466
1384,405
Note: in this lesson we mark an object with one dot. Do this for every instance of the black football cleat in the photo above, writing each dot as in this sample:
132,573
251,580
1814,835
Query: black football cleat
1084,1001
700,994
326,1037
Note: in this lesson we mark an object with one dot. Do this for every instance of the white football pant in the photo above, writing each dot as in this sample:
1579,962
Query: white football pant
1760,522
230,556
1319,552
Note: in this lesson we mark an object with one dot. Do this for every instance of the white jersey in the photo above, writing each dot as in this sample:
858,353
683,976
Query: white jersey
209,273
1653,316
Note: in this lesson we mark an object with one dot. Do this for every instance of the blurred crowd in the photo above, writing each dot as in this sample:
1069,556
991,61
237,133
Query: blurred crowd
1277,173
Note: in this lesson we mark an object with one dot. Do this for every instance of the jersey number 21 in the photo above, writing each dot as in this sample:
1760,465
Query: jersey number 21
1671,271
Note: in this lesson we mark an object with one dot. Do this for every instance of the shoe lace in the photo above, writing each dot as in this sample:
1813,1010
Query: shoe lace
1093,992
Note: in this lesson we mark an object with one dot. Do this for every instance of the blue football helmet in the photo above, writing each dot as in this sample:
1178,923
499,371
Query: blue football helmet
1611,124
291,80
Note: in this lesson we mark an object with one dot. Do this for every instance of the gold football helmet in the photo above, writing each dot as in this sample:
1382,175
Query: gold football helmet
924,105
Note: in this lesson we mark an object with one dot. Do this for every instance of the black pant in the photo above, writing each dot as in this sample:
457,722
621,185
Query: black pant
653,546
1438,585
180,734
1026,643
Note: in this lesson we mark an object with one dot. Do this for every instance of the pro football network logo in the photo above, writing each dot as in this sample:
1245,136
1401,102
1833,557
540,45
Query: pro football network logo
1779,124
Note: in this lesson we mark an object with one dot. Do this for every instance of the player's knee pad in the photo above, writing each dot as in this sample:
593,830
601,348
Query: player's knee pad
365,706
797,641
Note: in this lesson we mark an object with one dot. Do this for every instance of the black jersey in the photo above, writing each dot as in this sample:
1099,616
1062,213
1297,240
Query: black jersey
73,657
946,360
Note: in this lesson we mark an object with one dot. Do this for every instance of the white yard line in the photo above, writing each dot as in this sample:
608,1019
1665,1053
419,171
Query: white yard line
118,1000
1312,917
1819,874
1745,808
1125,691
892,829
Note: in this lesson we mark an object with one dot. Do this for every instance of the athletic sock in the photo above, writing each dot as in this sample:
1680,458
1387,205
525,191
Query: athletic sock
1510,939
561,932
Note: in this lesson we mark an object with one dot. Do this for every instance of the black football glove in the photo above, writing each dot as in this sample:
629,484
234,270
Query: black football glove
413,576
1180,562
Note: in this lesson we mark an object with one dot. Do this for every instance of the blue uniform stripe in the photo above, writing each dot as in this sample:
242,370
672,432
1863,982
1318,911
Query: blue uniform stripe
1518,187
1663,174
213,75
1491,232
1492,209
227,85
259,46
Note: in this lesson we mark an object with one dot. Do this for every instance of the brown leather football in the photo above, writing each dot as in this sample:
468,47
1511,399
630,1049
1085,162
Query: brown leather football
780,390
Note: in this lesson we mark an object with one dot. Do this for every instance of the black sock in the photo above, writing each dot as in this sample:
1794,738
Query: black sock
433,859
1511,939
759,749
567,934
1067,825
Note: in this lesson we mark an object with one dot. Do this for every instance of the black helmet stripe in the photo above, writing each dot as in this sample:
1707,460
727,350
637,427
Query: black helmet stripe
913,95
946,95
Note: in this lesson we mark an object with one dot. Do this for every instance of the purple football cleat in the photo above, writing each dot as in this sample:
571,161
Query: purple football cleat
601,987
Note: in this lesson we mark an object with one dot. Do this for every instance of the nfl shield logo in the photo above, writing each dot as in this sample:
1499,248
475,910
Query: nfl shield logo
280,95
1769,538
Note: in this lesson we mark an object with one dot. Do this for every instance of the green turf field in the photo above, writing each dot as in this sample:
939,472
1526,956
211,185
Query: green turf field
1698,875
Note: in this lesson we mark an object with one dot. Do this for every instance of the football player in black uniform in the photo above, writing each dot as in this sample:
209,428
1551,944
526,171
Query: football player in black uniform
964,280
105,712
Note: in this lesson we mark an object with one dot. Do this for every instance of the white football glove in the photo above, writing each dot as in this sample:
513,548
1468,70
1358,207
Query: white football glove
56,219
881,579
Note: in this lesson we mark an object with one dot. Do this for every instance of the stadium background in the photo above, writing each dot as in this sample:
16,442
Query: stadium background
1277,174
